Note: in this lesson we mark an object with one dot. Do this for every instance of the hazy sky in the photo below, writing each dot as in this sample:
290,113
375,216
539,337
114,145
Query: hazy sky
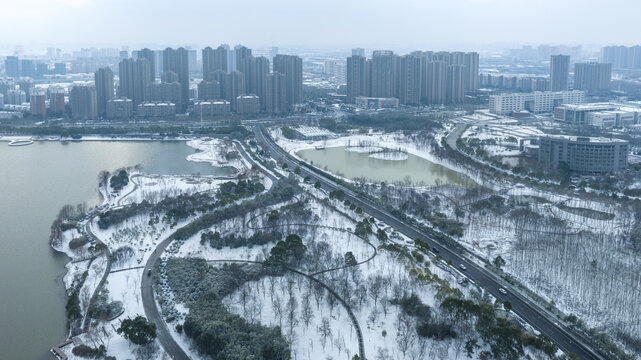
394,24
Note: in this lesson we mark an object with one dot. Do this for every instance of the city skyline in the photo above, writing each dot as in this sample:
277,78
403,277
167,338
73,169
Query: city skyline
346,24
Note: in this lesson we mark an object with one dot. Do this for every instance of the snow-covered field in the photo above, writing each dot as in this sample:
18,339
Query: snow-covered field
132,242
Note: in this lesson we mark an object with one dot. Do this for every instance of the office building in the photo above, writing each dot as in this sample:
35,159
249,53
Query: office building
120,108
291,67
559,72
150,55
164,110
178,61
12,66
104,79
15,97
583,154
592,77
358,52
56,100
209,90
207,108
275,94
83,103
248,104
213,60
135,76
37,102
535,102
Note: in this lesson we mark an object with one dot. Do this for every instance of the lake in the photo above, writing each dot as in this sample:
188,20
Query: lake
35,182
413,170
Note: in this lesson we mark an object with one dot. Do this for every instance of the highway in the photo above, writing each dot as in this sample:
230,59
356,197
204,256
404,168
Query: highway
565,338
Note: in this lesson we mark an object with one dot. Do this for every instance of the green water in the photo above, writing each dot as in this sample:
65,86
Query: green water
35,182
414,170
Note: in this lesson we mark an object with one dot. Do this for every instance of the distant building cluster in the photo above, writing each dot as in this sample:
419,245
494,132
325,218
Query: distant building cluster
517,83
160,80
622,57
414,79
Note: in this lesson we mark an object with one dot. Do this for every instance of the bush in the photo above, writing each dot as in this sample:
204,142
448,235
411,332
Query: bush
288,132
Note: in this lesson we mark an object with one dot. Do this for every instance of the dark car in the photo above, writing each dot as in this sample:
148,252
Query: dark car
435,250
149,272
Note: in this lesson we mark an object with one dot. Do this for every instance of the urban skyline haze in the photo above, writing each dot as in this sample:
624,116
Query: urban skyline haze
375,23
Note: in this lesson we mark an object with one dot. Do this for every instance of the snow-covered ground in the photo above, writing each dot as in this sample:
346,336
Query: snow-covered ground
133,241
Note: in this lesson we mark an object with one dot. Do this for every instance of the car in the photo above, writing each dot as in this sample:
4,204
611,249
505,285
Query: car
503,291
435,250
149,272
462,267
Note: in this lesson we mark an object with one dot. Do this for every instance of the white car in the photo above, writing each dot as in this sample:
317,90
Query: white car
503,291
462,267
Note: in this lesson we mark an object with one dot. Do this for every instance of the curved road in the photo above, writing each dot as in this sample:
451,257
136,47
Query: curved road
564,337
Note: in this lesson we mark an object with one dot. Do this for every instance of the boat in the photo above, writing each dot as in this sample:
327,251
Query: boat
319,147
20,142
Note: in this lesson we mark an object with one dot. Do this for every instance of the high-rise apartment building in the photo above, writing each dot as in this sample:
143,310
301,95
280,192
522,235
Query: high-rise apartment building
37,102
234,87
134,75
622,57
165,92
15,97
104,79
592,77
241,53
559,72
409,80
258,71
275,94
213,60
56,100
150,55
356,77
178,61
12,66
292,67
209,90
358,52
82,100
383,76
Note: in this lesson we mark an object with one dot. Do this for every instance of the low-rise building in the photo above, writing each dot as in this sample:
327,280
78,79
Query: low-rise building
248,104
120,108
212,107
156,110
583,154
376,103
535,102
599,114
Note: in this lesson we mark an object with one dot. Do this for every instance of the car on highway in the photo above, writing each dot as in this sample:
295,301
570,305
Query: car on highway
149,272
503,291
462,267
435,250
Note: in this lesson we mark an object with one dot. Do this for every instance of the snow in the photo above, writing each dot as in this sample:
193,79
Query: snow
391,156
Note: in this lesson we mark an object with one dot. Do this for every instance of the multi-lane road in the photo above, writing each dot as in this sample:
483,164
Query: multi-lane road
564,337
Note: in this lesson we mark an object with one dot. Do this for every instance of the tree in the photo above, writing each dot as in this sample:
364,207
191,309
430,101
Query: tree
507,306
499,262
470,346
139,331
350,260
297,170
317,185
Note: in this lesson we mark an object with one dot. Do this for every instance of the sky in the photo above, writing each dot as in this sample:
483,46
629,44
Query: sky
393,24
